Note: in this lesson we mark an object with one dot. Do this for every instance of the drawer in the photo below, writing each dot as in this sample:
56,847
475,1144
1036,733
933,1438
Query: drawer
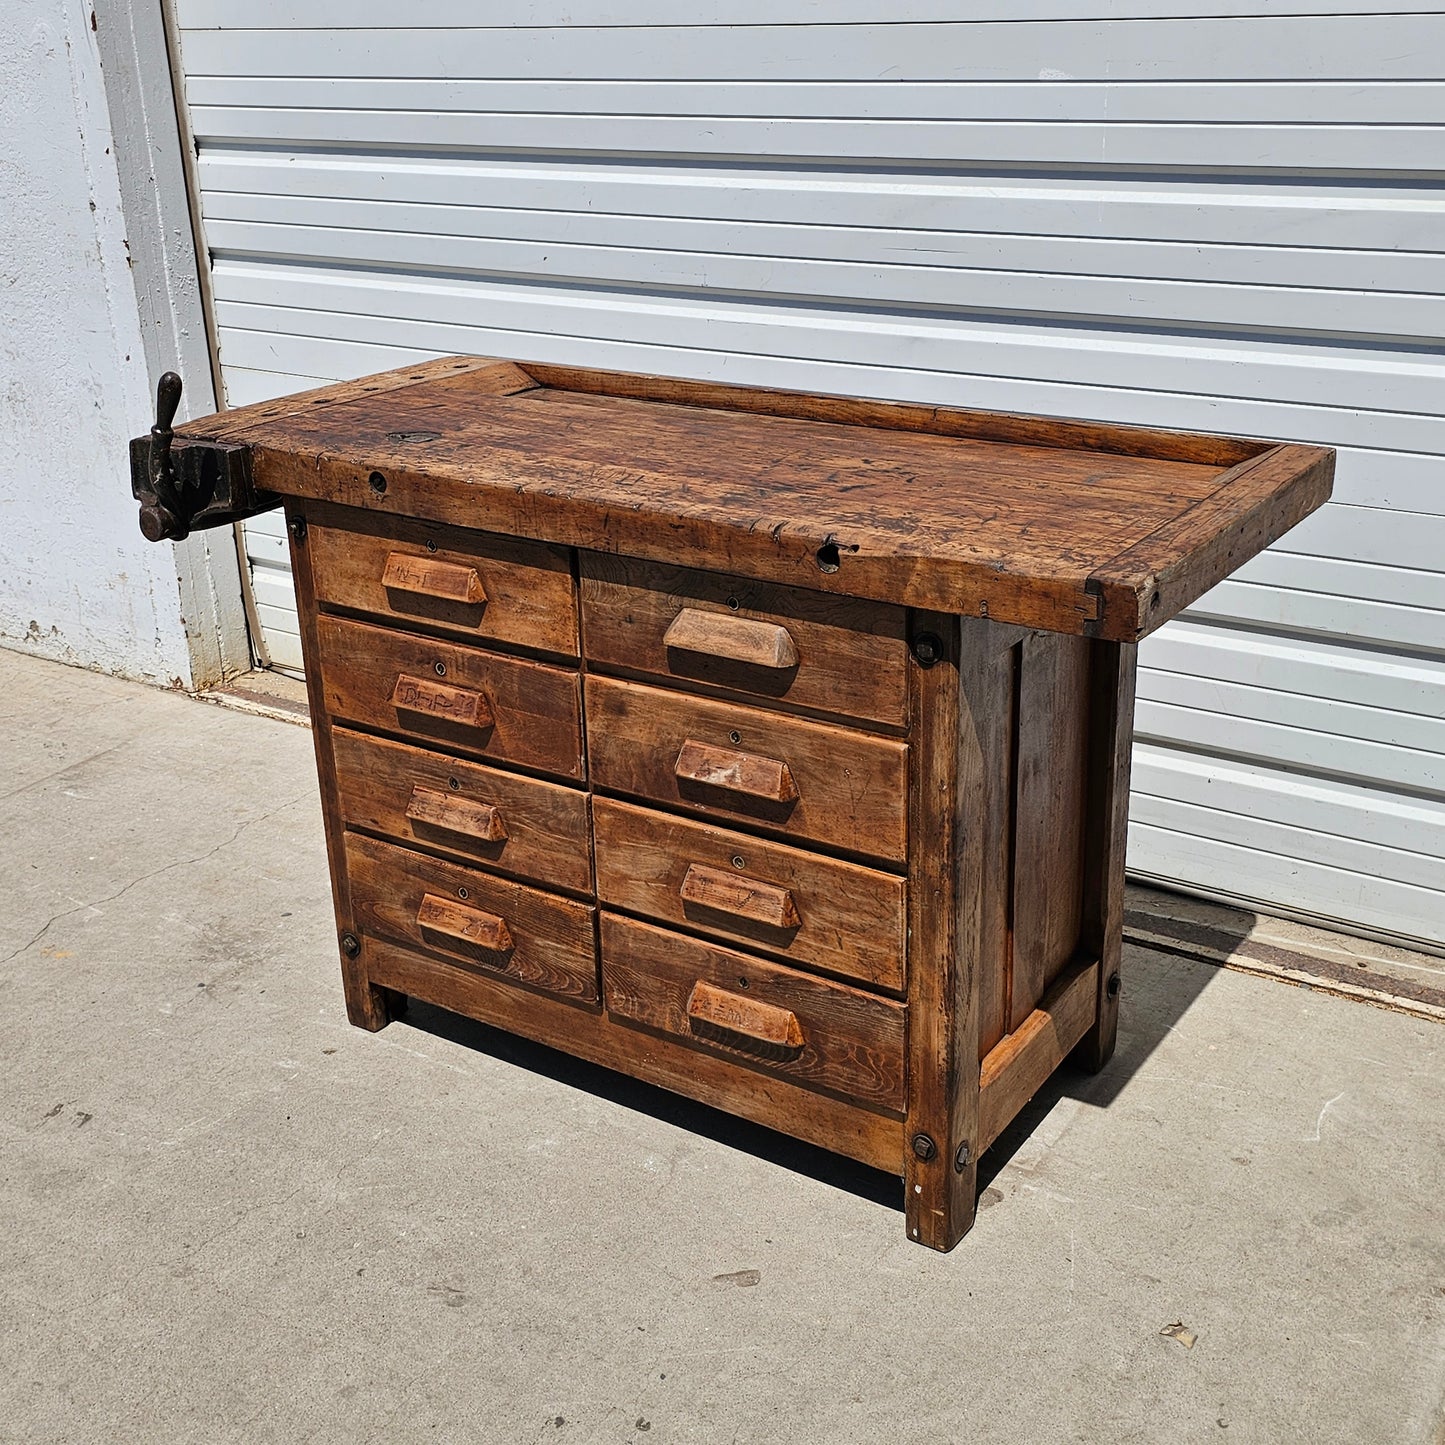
814,911
514,824
834,654
471,584
810,780
821,1034
478,919
460,697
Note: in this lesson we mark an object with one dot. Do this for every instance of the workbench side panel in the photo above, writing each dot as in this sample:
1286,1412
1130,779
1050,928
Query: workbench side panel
1050,802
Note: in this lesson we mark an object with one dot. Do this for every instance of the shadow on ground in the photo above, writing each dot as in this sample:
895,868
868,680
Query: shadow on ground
1158,991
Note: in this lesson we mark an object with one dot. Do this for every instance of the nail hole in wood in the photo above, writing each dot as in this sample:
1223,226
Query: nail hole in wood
828,557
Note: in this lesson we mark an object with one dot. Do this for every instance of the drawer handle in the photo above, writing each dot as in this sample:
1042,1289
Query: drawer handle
736,772
739,639
436,699
737,894
466,925
445,581
456,815
764,1022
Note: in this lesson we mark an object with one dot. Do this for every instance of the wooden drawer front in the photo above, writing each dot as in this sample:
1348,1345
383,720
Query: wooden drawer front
813,910
473,584
517,825
835,654
822,1034
477,702
475,918
827,784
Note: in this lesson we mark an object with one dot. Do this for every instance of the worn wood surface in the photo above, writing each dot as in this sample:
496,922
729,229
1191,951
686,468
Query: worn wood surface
958,790
769,1099
416,574
544,833
850,919
850,655
1113,670
1047,524
479,919
723,1010
716,890
367,1005
536,709
851,788
851,1042
1052,773
1014,1071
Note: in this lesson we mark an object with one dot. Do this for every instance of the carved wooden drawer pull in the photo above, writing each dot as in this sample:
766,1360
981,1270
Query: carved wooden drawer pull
739,639
436,699
466,925
464,816
740,895
765,1022
737,772
425,576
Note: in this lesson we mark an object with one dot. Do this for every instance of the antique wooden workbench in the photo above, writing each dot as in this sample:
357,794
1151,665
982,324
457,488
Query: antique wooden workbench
772,748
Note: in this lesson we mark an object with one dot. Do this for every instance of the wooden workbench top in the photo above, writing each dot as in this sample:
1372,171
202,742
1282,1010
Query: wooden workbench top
1075,527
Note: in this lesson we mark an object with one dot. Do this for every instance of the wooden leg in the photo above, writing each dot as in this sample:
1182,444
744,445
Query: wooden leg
1111,735
958,819
367,1006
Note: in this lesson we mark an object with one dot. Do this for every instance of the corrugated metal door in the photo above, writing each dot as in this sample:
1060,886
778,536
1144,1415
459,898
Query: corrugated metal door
1158,212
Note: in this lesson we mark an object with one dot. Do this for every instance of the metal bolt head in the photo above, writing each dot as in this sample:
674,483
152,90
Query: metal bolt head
1114,985
960,1160
298,528
350,945
927,648
923,1147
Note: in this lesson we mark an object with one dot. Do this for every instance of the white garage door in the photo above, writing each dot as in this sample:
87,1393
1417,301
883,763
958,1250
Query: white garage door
1149,211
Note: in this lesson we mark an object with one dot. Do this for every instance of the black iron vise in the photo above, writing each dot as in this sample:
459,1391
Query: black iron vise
185,486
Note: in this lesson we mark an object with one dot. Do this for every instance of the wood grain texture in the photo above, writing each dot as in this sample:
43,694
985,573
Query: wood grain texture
851,1042
851,787
1014,1071
536,709
435,580
960,772
718,891
1052,776
544,837
1056,530
737,1013
850,919
1113,670
484,377
850,655
769,1099
467,584
479,919
730,770
721,638
367,1005
1255,503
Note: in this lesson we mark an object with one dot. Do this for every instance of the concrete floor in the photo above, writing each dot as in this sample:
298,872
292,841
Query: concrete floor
227,1216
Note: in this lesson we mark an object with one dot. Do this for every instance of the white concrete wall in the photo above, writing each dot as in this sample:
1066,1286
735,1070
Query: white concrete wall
78,583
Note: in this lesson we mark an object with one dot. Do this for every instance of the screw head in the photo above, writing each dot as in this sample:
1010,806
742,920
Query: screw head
927,648
350,945
440,668
923,1147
